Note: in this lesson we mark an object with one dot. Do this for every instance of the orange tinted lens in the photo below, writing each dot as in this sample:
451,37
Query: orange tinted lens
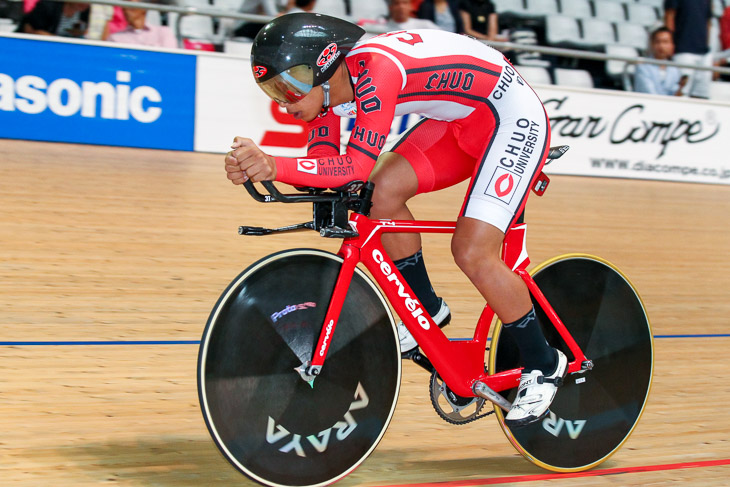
290,86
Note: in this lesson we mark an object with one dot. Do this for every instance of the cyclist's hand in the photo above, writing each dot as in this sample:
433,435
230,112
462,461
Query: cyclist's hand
246,161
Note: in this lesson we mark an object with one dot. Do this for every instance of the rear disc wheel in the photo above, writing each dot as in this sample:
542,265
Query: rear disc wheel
595,412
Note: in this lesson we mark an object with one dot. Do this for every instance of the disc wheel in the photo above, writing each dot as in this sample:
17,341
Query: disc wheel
595,412
272,425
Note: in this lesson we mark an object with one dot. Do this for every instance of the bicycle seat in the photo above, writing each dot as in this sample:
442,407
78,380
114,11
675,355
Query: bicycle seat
557,151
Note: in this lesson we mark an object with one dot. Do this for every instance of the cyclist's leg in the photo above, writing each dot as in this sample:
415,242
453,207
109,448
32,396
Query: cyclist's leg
426,158
395,183
510,162
476,246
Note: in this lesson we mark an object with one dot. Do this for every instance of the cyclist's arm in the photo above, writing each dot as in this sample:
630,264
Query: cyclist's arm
325,167
324,136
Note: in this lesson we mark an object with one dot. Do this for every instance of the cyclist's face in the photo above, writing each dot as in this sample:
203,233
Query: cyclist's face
308,107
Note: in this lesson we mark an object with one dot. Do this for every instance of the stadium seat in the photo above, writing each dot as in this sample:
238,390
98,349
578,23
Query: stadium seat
527,58
238,46
634,35
610,11
561,30
510,8
654,3
193,3
541,8
720,91
335,8
7,25
576,8
228,5
642,14
535,75
573,77
597,33
198,27
198,45
616,70
369,9
153,17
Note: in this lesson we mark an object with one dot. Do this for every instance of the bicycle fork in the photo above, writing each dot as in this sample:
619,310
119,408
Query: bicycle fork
309,371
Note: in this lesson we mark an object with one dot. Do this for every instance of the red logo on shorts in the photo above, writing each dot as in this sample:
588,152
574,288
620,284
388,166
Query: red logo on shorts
327,54
504,185
259,71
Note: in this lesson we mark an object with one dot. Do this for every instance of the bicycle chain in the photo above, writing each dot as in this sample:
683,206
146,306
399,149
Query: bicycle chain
443,415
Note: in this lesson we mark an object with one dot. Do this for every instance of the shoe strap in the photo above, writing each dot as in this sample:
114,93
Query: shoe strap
558,381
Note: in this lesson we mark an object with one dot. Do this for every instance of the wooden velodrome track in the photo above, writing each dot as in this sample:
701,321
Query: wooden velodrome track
112,258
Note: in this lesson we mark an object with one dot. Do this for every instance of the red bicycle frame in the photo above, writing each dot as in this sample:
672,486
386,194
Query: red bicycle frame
460,363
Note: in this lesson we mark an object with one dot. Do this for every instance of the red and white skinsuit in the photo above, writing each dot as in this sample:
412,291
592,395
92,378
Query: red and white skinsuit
482,120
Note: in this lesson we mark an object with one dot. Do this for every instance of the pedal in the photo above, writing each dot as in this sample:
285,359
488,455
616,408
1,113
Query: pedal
419,359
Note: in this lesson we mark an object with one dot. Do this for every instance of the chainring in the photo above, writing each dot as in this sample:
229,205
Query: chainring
462,409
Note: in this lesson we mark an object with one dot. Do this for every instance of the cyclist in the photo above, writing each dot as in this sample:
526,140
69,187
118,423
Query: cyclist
482,121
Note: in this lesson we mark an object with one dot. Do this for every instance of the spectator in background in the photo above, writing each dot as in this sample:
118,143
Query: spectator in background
689,20
56,18
725,29
302,6
657,79
444,13
28,5
724,40
479,18
117,22
260,7
139,32
399,17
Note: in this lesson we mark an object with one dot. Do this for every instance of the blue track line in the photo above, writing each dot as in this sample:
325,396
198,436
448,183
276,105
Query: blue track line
709,335
197,342
123,342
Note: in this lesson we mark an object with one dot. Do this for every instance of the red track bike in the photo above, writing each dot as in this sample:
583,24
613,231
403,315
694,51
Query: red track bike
299,365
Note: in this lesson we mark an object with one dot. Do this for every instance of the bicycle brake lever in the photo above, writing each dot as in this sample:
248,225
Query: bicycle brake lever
254,231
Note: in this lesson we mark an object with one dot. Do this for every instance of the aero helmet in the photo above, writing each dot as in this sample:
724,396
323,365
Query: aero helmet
296,52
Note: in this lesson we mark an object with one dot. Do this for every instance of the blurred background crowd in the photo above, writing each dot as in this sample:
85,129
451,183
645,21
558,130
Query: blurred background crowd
691,32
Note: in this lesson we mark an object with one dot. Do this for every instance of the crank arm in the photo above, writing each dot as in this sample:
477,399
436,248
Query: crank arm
244,230
483,390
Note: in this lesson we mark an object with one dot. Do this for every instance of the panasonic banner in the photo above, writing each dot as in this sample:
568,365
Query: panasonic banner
70,92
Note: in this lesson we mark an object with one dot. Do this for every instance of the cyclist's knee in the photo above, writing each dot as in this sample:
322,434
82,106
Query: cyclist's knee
394,177
476,250
395,183
470,256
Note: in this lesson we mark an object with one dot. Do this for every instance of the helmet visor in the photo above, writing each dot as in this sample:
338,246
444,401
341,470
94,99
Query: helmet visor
289,86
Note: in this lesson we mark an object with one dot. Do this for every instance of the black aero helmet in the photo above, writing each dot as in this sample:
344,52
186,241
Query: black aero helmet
296,52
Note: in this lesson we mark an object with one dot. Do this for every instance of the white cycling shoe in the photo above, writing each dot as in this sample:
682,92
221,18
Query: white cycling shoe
535,394
408,343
